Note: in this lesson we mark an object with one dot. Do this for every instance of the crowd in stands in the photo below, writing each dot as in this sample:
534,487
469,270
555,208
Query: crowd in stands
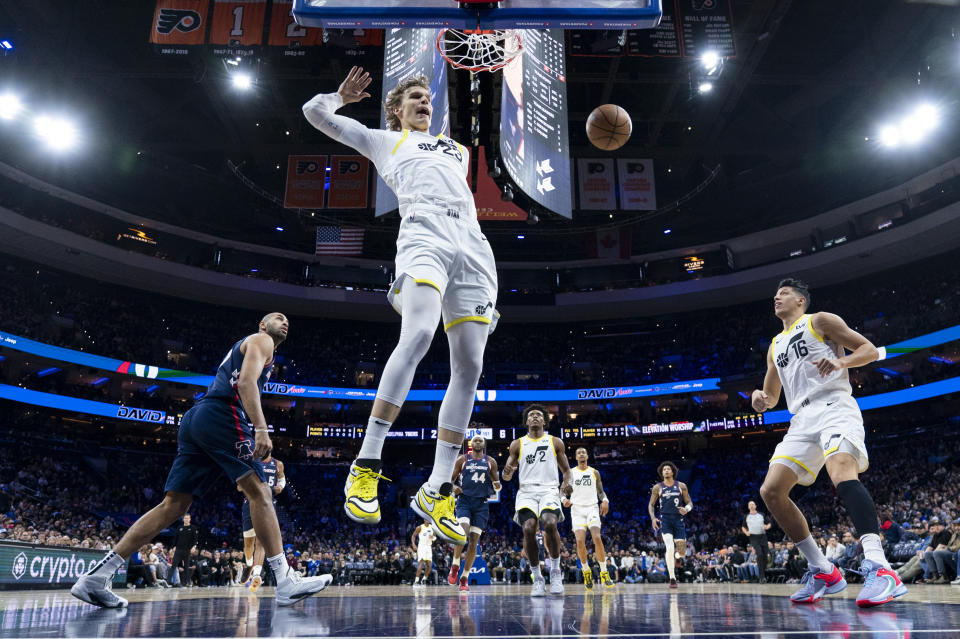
132,325
64,491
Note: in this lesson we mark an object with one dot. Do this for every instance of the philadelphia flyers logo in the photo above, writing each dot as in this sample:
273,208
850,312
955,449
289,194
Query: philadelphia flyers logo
182,20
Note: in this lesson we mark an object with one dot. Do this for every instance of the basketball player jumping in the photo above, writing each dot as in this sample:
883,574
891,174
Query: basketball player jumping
587,491
252,551
807,360
215,438
540,457
670,492
444,268
480,478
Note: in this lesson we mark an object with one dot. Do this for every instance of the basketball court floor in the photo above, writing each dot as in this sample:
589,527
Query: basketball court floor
695,610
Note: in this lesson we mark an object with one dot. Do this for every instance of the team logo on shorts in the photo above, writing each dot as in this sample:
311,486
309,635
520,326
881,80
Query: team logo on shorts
182,20
244,449
482,309
831,443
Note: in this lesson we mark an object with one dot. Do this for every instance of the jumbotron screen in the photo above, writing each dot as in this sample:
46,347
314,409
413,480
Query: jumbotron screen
534,141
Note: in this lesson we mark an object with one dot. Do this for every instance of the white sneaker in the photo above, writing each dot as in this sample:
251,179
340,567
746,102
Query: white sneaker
539,588
556,582
96,590
294,587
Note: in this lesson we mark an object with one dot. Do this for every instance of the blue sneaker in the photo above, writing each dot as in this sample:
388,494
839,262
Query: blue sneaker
816,584
881,584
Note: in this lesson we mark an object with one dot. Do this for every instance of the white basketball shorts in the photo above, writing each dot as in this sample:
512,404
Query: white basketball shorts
537,501
424,555
585,516
436,247
828,425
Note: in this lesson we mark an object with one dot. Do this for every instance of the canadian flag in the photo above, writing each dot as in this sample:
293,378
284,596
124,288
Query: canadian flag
609,243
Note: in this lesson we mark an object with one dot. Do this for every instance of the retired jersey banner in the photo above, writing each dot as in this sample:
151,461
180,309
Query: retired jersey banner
306,181
597,185
238,23
349,180
638,190
285,32
178,24
486,195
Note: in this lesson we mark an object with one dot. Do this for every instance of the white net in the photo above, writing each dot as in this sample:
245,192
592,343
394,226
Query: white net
479,50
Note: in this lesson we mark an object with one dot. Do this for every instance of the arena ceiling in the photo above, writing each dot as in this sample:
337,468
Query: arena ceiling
786,122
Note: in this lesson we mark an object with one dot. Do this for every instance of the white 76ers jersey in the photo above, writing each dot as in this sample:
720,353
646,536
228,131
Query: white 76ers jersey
794,351
584,487
538,463
420,168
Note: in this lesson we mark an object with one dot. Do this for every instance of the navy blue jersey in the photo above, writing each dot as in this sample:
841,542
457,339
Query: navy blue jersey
475,478
224,385
671,499
270,471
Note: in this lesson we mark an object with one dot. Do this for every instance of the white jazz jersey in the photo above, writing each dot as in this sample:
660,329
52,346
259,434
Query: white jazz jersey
538,464
584,487
425,543
420,168
794,351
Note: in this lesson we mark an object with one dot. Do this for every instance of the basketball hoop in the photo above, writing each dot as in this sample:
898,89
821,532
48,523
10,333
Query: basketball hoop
479,50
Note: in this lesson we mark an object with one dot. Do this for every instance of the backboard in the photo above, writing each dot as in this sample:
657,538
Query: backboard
507,14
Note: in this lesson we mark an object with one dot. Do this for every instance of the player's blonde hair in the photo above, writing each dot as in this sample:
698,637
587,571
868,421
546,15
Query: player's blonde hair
395,97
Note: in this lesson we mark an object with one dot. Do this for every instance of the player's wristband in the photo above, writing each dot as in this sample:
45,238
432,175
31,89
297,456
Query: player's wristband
689,507
260,430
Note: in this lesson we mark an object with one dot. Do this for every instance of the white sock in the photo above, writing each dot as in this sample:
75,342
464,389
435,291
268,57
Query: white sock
815,557
374,437
553,563
257,570
106,566
250,561
872,549
535,570
443,463
279,566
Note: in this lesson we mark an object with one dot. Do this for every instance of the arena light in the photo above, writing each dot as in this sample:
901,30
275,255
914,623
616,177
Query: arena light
705,87
667,231
279,228
711,62
242,81
59,133
7,45
913,128
10,106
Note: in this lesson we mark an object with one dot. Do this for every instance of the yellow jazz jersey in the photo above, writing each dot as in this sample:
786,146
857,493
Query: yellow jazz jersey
422,169
794,351
584,487
538,463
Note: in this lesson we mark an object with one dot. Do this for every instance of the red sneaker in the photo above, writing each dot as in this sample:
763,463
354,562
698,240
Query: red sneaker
454,573
463,585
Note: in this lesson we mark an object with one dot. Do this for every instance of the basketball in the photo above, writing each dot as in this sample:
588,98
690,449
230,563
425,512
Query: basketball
609,127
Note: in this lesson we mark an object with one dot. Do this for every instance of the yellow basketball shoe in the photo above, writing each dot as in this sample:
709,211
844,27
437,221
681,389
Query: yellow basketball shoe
362,504
605,579
588,579
437,508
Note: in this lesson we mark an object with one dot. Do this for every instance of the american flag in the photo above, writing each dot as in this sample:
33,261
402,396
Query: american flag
336,240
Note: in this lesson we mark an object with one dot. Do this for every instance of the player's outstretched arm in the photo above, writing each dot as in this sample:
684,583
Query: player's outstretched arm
766,398
512,461
651,507
281,479
494,472
601,496
832,327
564,465
685,495
320,112
257,351
457,470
